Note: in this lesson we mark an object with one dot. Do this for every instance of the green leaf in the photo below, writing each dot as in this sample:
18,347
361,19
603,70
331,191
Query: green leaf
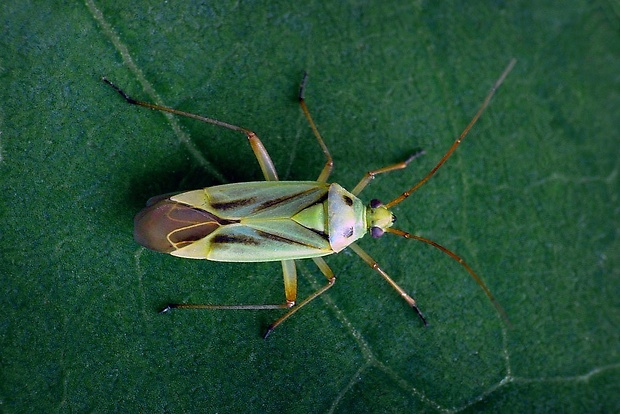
529,200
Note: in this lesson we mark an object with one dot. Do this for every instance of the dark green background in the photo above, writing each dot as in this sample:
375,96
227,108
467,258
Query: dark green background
530,200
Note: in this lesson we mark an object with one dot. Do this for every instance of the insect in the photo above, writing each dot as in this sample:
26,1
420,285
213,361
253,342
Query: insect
282,221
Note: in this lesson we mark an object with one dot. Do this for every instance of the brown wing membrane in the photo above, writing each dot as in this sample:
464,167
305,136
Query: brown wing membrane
167,225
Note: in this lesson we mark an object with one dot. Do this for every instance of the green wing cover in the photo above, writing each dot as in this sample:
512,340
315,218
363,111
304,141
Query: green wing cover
263,221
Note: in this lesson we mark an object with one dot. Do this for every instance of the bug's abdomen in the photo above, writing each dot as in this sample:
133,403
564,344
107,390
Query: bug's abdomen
167,226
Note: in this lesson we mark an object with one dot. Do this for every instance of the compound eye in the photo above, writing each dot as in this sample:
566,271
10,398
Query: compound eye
376,232
374,203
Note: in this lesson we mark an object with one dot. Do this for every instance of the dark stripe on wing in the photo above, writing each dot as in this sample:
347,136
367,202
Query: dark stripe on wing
282,239
238,239
278,201
234,203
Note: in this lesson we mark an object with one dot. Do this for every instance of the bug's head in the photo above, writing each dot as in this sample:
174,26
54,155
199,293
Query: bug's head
379,218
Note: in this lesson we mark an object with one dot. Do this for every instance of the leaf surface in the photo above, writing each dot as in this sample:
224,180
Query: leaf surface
529,200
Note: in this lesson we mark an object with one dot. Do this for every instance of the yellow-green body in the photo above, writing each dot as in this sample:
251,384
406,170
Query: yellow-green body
254,221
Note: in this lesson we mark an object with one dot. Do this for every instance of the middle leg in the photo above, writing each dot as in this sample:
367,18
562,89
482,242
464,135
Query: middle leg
331,279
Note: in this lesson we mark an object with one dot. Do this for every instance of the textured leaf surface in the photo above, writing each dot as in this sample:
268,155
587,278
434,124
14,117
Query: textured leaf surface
530,200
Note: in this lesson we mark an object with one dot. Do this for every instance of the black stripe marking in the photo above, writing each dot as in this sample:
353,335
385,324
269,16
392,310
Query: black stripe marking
347,200
318,233
238,239
281,239
277,201
233,204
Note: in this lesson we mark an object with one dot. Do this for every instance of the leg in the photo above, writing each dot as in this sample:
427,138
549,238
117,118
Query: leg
290,290
329,164
331,279
370,175
372,263
289,273
233,307
264,160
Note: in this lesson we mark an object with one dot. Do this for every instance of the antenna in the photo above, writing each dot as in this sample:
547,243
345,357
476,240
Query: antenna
484,105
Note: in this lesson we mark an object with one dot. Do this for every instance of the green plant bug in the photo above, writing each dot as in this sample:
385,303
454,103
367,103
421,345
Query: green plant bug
282,221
